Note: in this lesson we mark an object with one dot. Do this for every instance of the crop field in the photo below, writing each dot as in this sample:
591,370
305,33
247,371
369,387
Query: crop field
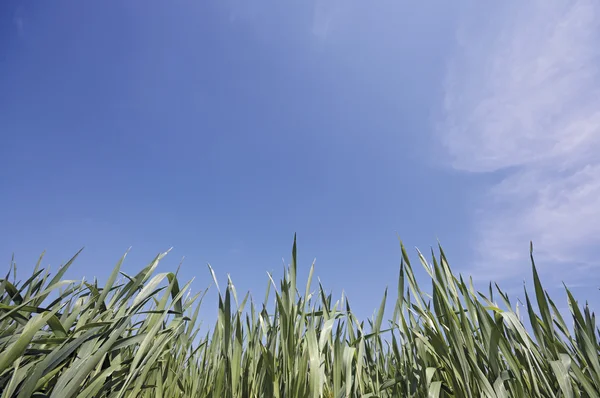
139,336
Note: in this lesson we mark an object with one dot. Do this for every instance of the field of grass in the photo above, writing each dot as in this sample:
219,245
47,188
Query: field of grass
138,336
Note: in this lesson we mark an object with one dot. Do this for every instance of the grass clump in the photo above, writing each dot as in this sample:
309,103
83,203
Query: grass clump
139,337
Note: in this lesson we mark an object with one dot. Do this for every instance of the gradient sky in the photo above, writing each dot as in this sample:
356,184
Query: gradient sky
221,128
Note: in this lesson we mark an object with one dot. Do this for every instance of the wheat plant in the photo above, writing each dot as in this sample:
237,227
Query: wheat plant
138,336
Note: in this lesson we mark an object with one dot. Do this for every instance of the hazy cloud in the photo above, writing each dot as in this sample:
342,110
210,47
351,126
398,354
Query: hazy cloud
325,14
523,98
18,22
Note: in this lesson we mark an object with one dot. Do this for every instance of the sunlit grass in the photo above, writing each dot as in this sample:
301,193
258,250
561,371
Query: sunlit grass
138,336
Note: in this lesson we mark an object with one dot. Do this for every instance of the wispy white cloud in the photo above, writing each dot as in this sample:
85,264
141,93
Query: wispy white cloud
325,14
523,99
19,22
316,18
240,10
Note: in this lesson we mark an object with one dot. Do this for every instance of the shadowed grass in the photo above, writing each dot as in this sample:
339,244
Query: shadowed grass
140,338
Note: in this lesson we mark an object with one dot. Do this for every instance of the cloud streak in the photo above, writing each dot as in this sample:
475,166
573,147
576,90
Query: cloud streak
325,14
19,22
523,99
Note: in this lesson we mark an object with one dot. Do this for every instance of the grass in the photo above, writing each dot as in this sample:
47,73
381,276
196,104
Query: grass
139,337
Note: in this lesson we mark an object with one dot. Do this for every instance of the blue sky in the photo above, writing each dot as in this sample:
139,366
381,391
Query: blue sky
223,128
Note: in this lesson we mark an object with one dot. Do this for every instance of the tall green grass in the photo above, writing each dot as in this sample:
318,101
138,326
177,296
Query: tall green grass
139,337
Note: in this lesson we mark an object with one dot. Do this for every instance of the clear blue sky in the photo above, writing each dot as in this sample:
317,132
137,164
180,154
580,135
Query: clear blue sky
222,128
